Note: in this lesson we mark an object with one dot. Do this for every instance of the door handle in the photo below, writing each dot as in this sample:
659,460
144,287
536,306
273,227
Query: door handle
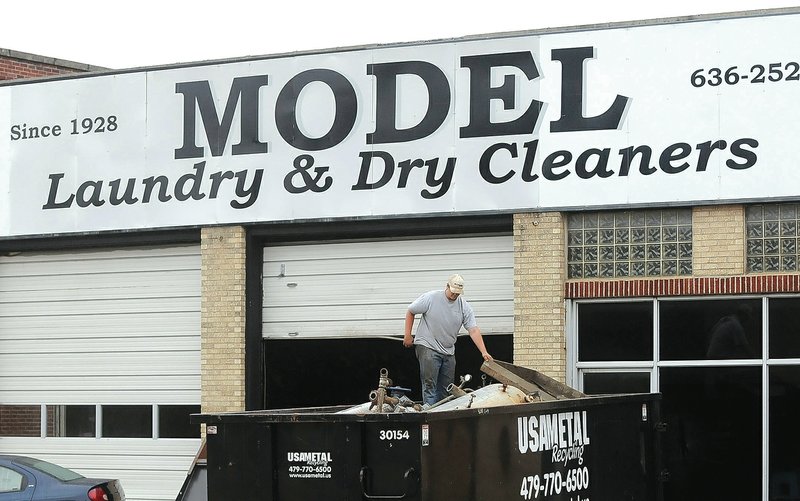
411,481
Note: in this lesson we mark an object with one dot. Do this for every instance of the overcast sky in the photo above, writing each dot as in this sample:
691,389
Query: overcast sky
147,32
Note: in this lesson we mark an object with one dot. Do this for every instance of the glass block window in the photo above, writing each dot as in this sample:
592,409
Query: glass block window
647,243
772,232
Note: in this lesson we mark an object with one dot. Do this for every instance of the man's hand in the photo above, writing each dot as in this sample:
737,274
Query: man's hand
487,357
408,341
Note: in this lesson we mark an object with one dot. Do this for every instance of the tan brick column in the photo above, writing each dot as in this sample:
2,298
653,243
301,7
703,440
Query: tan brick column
539,275
222,343
718,240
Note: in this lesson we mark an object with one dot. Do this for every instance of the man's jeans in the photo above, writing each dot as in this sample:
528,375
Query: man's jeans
436,372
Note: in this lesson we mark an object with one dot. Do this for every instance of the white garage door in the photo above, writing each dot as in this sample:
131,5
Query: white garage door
362,289
99,342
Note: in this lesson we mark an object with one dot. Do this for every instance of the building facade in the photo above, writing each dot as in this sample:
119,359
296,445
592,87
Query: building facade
100,364
657,253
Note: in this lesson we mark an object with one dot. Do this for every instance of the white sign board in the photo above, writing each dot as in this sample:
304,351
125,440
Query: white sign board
686,113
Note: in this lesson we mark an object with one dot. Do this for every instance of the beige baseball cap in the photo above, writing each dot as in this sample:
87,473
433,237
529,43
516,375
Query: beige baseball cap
456,284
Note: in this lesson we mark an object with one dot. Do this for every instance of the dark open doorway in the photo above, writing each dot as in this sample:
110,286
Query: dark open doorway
318,372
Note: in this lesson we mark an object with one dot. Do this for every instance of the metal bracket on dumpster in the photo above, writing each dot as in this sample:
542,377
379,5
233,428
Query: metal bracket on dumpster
410,477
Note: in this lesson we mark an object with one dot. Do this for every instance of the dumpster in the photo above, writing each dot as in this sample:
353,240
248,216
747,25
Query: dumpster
556,445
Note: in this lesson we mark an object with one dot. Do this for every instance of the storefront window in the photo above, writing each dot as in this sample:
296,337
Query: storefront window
708,362
784,394
605,383
629,244
784,328
710,329
712,445
628,337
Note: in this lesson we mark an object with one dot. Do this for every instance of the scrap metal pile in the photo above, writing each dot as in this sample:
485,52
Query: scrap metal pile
515,385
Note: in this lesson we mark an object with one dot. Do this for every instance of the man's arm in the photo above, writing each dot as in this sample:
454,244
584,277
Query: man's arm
475,335
408,340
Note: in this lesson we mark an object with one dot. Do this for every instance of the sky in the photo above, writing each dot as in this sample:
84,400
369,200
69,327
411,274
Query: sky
150,33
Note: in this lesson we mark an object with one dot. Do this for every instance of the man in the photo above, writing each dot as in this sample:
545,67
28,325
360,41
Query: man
442,315
729,338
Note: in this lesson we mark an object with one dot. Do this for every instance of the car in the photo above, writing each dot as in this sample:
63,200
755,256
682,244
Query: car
28,479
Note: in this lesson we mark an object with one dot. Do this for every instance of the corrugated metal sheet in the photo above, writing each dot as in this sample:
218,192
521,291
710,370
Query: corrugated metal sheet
150,470
362,289
104,327
101,327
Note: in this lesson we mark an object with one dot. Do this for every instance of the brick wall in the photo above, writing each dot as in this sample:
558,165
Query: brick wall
694,286
20,420
12,69
718,250
718,240
539,276
15,65
223,314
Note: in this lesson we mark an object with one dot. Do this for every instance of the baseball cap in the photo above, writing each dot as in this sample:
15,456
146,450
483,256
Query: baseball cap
456,284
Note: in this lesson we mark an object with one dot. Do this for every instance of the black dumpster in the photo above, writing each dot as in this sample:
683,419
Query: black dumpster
585,448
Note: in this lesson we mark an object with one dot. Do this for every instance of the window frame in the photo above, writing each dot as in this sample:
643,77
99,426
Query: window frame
98,424
576,368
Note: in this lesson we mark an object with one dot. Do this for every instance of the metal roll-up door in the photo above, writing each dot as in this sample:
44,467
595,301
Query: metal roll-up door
333,313
98,330
362,289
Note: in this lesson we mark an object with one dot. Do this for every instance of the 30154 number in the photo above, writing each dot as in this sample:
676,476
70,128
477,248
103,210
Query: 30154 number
393,435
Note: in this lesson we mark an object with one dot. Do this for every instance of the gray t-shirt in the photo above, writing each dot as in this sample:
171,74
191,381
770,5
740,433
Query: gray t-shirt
441,320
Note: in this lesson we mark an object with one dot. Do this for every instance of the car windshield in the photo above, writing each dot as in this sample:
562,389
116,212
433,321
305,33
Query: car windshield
51,469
